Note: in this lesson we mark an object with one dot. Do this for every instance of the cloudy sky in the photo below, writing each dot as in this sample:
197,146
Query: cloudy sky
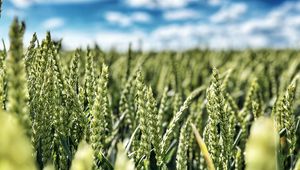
160,24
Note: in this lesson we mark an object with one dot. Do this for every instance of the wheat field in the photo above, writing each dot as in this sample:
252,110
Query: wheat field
197,109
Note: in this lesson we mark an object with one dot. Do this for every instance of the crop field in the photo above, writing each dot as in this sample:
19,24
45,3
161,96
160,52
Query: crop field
197,109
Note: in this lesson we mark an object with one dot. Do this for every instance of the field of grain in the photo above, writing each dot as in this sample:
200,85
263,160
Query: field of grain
197,109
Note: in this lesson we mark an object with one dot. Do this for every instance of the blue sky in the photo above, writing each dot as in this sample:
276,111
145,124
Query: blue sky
160,24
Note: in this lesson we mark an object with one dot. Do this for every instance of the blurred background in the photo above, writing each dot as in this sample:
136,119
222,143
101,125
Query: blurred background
159,24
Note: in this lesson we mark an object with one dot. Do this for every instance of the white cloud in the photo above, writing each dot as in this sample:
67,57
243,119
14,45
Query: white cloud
259,25
278,29
229,13
11,12
175,31
173,3
214,2
180,37
118,18
277,20
181,14
22,3
27,3
141,3
63,1
127,20
119,40
159,3
53,23
293,21
174,37
73,39
140,17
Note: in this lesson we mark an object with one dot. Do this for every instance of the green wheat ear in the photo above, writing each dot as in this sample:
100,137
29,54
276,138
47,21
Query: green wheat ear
2,78
289,121
74,72
99,124
2,89
181,157
17,84
262,145
89,80
284,116
153,123
218,116
142,112
166,140
253,102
